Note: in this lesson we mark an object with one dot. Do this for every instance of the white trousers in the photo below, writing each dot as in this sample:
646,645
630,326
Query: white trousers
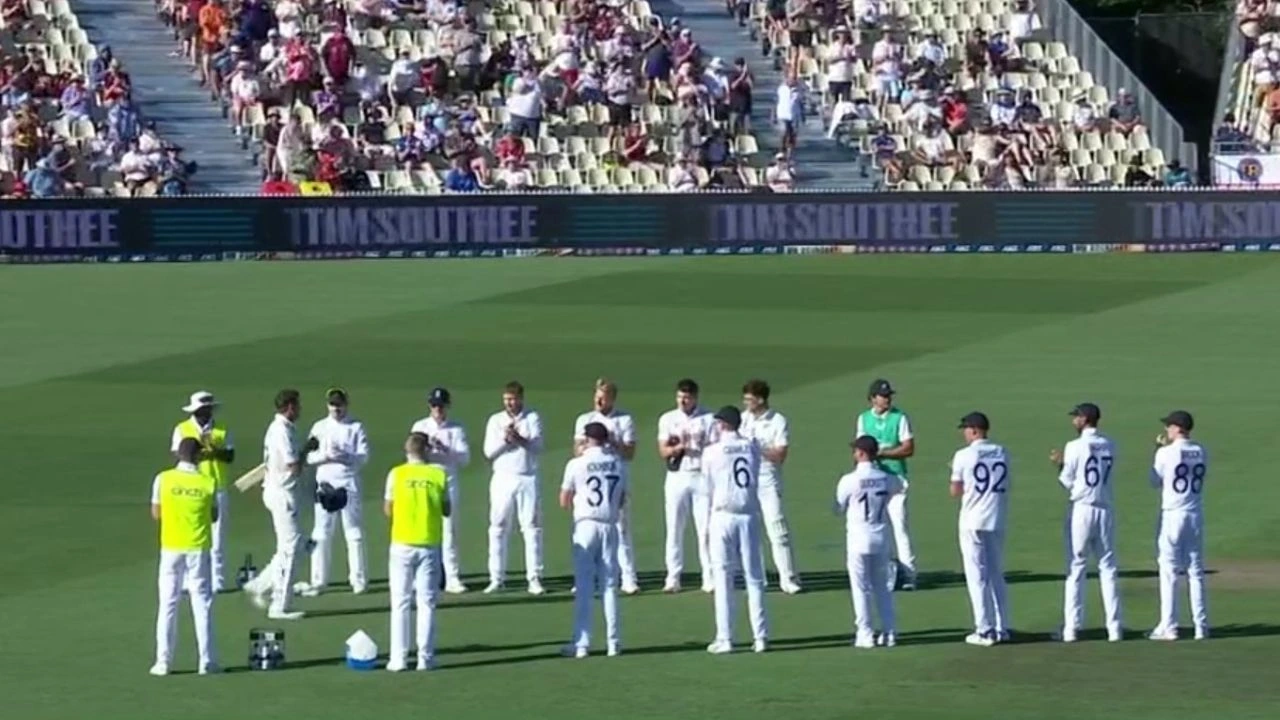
278,573
595,564
514,495
189,571
775,526
413,576
982,552
901,531
868,581
350,517
735,544
1090,530
685,493
626,549
217,552
1180,545
452,567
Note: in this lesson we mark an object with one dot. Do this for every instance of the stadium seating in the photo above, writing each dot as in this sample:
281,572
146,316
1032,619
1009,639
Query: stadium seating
365,143
68,121
1057,152
1252,109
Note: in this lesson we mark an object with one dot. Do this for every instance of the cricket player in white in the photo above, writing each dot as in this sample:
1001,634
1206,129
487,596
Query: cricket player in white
595,488
448,449
279,487
1179,471
980,480
682,435
512,444
862,496
1085,471
732,468
768,428
891,428
343,450
622,440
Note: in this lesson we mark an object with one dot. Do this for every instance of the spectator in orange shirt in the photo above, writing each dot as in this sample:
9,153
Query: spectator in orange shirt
213,20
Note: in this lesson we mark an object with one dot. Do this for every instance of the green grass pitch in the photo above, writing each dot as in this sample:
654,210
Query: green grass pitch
97,361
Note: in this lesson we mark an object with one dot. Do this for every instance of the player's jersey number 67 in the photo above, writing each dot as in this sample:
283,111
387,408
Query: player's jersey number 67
596,486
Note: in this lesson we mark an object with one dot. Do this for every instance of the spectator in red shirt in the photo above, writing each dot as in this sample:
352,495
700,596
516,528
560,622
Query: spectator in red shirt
276,184
510,147
635,144
339,53
955,112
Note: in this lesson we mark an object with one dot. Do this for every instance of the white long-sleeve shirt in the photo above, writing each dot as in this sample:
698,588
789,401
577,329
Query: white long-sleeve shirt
769,430
732,468
1178,470
862,496
452,437
697,429
279,452
510,458
344,449
1086,469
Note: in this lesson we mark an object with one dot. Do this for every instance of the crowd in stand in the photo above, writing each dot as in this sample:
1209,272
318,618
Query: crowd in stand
70,126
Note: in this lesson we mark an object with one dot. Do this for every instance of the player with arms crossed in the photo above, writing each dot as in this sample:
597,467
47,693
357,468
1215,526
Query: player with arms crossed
622,440
417,501
892,430
1179,472
682,435
595,489
447,448
280,455
512,444
862,497
732,469
768,428
1084,469
980,480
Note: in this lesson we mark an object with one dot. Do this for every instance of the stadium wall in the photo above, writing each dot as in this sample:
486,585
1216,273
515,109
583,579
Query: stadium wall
516,225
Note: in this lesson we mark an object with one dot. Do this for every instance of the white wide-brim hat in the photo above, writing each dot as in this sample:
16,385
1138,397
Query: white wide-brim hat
202,399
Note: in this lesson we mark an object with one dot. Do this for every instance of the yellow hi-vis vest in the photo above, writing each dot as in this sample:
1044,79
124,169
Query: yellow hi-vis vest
217,440
417,504
186,510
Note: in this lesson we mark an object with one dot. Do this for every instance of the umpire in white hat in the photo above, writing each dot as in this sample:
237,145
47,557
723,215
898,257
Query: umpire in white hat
216,455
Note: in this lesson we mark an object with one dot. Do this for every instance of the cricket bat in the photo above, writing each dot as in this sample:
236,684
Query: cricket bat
250,479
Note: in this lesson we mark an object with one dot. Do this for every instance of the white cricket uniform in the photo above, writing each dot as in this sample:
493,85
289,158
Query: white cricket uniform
279,495
598,480
343,451
452,453
769,430
179,571
898,503
983,469
732,469
1090,527
1179,473
514,488
622,431
862,496
686,490
221,499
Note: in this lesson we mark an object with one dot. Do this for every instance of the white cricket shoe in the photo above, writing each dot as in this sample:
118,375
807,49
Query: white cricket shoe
426,663
864,641
790,587
573,651
614,650
759,646
360,589
630,586
306,589
1164,634
707,585
535,587
260,596
396,666
986,639
455,587
218,586
159,670
493,587
1202,633
1115,635
1064,635
278,614
672,585
210,669
720,647
887,639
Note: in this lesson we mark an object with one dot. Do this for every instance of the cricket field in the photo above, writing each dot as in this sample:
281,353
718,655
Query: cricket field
98,360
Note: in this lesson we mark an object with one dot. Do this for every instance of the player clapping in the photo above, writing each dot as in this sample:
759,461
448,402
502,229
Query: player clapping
980,479
595,489
512,443
682,435
768,428
1179,472
622,440
449,449
862,496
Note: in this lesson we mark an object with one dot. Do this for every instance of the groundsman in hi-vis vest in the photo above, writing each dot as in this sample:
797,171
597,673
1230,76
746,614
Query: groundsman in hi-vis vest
892,430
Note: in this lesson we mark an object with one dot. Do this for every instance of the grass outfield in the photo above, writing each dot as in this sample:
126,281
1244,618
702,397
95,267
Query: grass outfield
98,360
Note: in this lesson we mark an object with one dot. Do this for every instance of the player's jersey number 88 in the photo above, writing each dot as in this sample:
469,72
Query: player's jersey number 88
1188,478
596,488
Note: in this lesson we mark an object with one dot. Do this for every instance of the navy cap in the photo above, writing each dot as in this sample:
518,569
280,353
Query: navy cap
880,388
868,445
975,420
730,416
336,396
1090,412
438,397
596,431
1179,418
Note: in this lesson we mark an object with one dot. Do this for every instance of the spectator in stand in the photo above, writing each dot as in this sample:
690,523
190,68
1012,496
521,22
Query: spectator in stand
173,172
304,161
76,102
411,151
923,112
934,149
299,71
716,151
1230,138
741,87
933,50
658,59
1265,62
1084,117
115,85
246,92
1251,16
1124,114
276,184
1004,110
635,145
1060,175
22,135
789,111
1136,175
778,176
338,54
842,56
136,169
1271,103
514,176
955,113
270,142
460,178
43,181
213,25
1176,176
1023,21
289,16
510,147
801,23
255,21
680,178
975,53
692,123
524,104
98,68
